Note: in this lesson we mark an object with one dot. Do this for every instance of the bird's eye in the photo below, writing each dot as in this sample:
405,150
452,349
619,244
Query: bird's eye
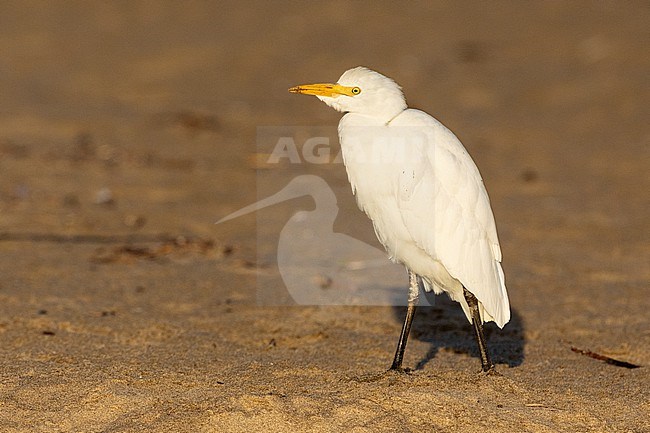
356,90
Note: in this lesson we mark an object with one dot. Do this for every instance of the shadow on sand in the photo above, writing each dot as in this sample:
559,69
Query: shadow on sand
445,326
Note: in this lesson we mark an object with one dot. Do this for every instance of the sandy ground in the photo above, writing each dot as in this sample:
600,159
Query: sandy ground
127,129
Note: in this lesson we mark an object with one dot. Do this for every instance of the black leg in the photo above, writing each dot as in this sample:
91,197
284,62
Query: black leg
414,290
486,363
403,338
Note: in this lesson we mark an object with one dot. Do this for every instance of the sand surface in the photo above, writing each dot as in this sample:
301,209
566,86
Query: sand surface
128,128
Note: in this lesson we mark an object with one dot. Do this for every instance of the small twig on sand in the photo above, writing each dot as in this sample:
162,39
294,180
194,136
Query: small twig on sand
607,359
540,405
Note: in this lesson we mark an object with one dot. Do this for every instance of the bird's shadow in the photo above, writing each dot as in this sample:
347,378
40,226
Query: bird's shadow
444,325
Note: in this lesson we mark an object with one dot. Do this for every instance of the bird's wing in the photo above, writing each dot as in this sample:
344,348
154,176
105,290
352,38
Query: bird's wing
447,212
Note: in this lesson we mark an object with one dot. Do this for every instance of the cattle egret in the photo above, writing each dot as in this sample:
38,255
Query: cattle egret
425,197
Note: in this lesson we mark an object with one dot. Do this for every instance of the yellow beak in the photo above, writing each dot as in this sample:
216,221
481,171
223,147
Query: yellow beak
324,89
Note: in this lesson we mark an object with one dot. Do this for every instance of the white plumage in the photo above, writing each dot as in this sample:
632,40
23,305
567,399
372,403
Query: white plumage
420,188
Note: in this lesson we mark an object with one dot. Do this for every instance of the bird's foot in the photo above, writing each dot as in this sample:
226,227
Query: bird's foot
391,373
398,370
491,371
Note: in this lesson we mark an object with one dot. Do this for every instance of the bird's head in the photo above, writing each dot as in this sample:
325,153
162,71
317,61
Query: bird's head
362,91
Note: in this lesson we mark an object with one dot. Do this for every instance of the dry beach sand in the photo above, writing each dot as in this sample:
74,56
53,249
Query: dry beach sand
128,128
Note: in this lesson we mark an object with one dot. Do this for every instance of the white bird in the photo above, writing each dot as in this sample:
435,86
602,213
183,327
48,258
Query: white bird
425,197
